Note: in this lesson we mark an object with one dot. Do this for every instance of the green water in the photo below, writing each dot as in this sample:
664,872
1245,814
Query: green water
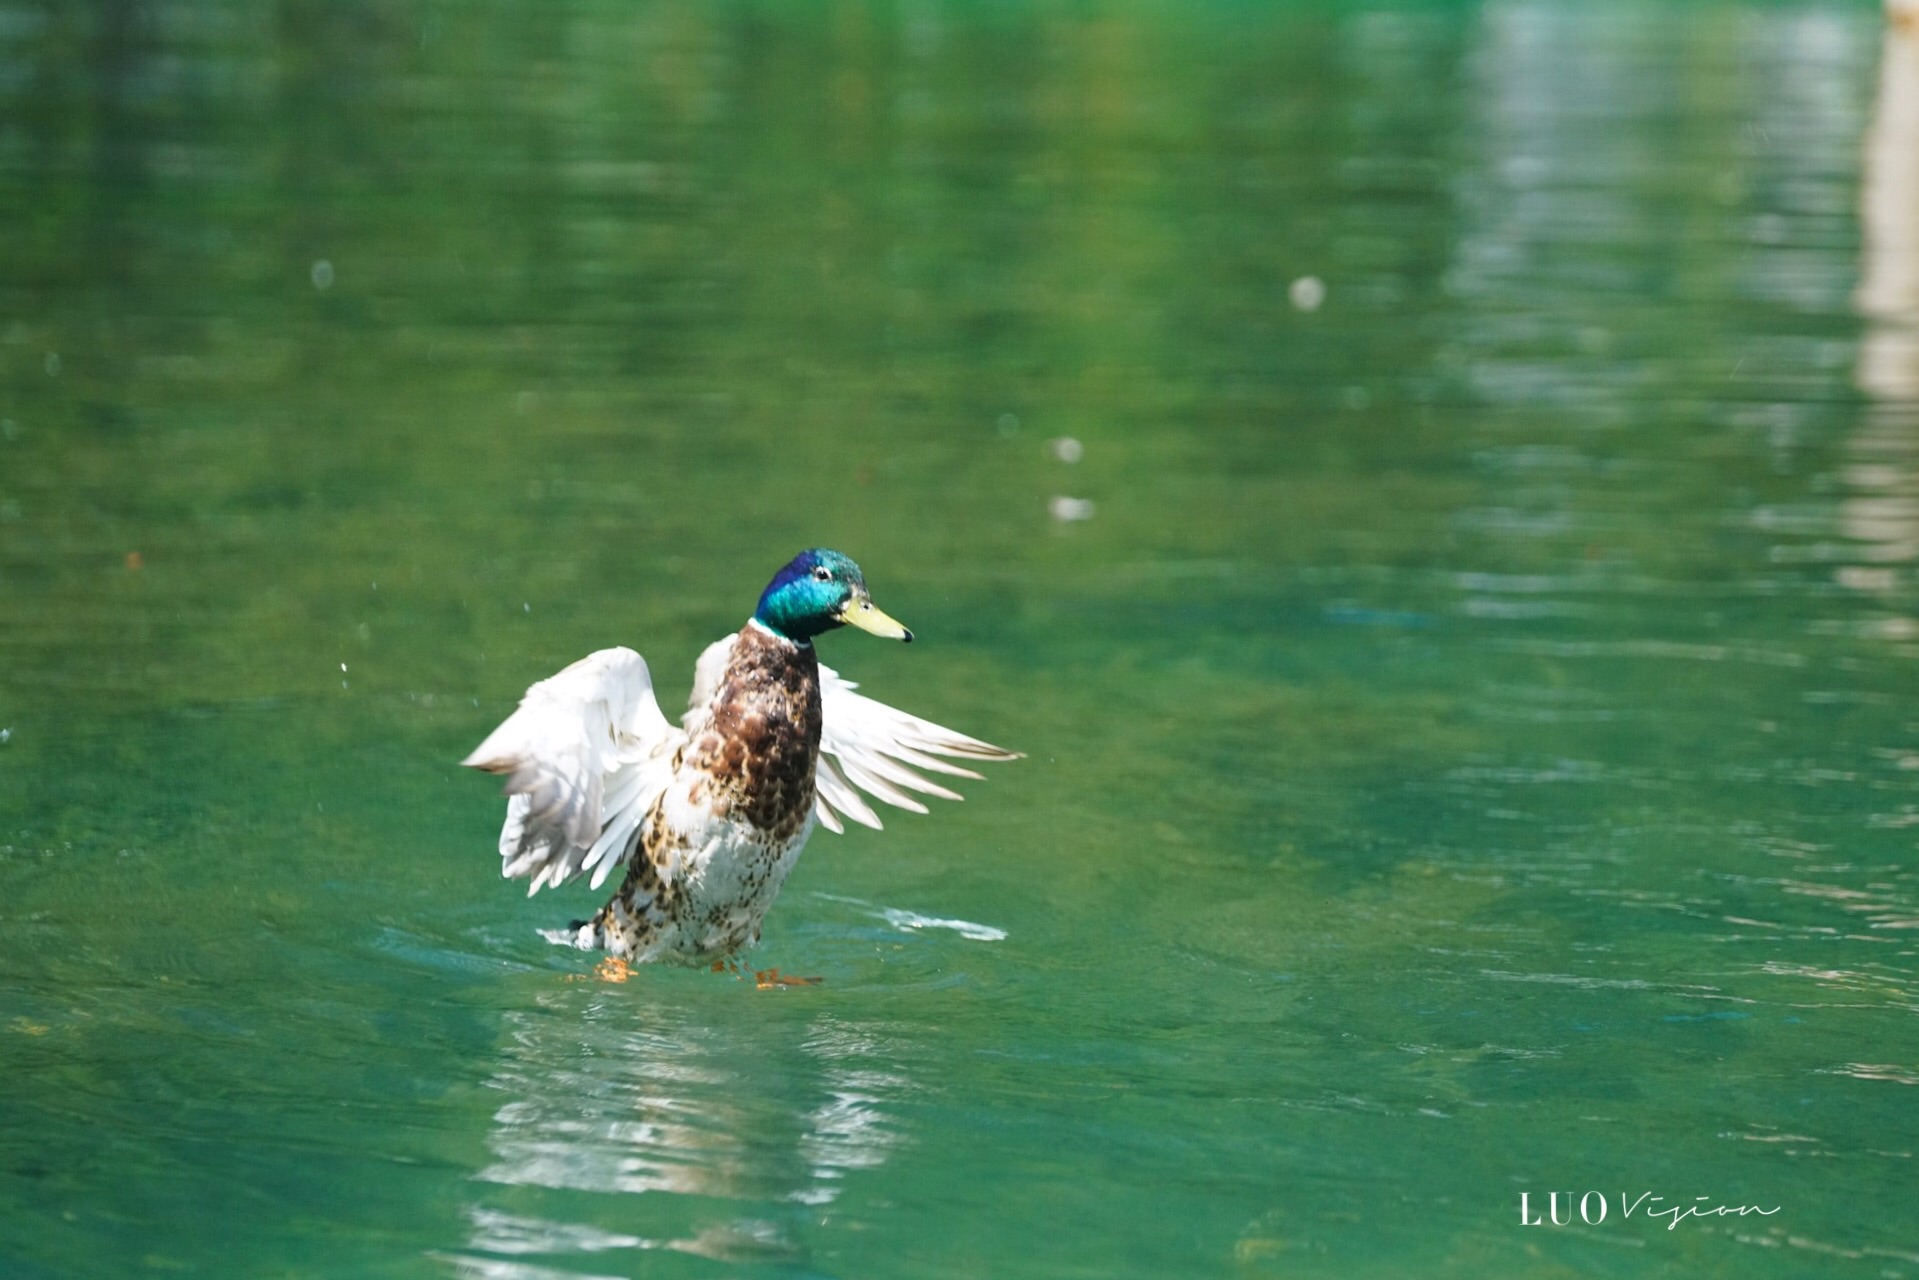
1472,742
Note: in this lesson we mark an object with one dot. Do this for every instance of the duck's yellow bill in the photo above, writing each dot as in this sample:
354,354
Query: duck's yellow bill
861,613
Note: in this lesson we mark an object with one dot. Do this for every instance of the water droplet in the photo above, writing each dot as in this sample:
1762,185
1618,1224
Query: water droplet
1306,293
1068,510
322,275
52,364
1067,449
1008,424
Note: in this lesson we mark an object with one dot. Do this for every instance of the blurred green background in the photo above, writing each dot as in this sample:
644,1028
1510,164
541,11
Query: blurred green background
1432,487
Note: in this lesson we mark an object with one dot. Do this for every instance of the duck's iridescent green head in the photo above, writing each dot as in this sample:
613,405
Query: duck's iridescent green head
817,591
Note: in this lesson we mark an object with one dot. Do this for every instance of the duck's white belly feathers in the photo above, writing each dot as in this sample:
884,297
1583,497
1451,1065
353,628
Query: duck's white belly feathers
728,874
705,898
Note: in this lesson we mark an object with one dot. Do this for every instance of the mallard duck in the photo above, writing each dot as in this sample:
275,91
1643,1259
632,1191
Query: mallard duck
709,817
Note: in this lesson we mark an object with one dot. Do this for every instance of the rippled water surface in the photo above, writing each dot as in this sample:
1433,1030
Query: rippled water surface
1433,489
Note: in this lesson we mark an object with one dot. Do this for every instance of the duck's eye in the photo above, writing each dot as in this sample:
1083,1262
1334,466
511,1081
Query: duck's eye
823,573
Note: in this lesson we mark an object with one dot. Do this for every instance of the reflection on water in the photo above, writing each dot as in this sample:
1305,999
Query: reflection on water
1888,291
606,1095
1880,514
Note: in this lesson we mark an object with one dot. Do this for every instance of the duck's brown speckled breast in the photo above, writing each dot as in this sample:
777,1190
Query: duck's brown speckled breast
760,745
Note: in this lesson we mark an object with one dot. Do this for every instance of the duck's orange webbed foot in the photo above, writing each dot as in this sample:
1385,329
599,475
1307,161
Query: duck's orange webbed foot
768,979
613,969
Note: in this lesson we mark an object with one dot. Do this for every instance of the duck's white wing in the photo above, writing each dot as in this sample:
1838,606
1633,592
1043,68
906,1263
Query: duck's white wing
868,746
584,758
708,672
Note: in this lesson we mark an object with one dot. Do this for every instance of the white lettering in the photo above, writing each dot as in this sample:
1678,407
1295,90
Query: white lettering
1595,1207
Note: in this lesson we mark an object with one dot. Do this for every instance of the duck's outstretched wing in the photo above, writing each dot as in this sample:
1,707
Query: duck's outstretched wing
868,746
584,758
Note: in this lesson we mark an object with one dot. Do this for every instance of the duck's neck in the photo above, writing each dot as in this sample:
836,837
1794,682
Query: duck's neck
768,629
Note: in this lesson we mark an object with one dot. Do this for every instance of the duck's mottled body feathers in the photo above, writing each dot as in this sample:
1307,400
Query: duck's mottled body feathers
728,828
760,738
